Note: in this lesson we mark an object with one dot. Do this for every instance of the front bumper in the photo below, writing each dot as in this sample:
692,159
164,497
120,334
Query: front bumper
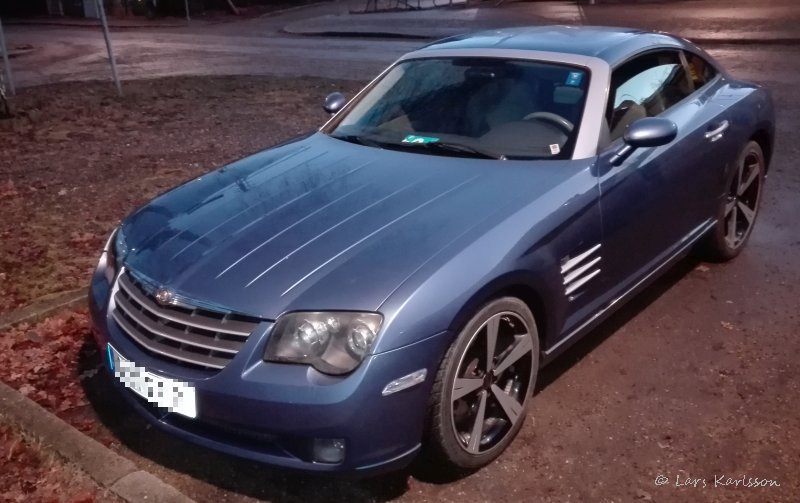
272,412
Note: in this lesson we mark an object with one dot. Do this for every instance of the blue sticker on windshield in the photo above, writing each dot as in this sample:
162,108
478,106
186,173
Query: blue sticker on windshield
412,138
574,79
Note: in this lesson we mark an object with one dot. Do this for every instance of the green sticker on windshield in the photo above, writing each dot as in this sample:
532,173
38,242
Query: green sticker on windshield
412,138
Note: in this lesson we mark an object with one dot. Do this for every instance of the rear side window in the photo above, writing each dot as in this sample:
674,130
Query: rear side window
645,87
700,71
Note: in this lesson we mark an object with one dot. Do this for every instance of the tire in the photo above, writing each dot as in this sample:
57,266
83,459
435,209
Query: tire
738,210
501,394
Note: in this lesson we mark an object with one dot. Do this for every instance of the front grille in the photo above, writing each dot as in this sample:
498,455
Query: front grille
195,337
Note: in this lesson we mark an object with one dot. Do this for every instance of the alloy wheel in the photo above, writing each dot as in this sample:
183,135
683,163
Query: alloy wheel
742,203
492,382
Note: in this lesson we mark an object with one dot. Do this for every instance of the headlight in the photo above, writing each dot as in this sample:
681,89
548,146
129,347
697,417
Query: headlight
333,343
115,250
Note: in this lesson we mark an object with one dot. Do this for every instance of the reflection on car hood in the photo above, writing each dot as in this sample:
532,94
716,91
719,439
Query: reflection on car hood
320,223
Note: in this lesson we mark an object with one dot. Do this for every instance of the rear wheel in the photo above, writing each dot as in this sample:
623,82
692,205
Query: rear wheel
480,396
737,212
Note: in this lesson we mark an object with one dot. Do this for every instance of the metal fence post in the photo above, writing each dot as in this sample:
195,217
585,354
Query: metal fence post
104,22
6,64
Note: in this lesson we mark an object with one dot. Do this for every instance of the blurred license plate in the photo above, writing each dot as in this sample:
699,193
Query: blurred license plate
173,395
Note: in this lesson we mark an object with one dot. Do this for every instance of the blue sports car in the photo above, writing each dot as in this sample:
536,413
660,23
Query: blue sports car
391,284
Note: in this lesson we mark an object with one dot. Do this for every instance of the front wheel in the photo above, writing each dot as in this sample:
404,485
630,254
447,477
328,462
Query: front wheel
481,392
737,212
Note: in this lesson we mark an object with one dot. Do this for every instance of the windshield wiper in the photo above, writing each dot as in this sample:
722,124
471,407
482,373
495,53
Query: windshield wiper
439,146
459,148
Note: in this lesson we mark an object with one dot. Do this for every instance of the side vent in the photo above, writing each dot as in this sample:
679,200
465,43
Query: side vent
579,270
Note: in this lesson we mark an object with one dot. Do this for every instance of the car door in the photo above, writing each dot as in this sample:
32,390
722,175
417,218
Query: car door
659,198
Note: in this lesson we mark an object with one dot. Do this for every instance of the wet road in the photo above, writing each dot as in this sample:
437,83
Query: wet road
258,48
695,379
63,54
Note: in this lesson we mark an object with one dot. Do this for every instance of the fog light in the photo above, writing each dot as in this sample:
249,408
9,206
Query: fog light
328,450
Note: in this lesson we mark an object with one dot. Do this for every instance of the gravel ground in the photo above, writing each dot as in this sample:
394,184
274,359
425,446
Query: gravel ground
29,473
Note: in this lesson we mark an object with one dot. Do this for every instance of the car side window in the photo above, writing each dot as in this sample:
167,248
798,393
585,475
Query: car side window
645,87
700,71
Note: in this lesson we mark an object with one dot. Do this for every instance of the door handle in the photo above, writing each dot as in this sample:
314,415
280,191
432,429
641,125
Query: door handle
717,133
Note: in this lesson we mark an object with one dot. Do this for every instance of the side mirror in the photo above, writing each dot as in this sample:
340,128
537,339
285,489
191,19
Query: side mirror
334,102
645,132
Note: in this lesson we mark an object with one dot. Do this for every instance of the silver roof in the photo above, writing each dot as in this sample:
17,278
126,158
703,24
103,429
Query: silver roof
607,43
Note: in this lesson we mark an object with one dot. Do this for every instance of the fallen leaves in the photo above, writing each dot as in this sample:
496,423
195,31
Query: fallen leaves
103,157
30,474
26,389
42,361
8,190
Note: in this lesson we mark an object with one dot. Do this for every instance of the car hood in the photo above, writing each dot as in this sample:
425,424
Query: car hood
321,224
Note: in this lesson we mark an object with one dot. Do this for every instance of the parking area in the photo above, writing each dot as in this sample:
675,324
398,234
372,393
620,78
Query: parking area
696,379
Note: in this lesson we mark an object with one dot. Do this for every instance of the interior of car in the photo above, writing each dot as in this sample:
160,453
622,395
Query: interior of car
646,87
517,107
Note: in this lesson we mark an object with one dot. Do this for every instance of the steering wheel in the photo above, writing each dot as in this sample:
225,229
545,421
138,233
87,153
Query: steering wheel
552,118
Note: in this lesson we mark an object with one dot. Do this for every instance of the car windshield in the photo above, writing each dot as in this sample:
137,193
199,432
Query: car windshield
472,107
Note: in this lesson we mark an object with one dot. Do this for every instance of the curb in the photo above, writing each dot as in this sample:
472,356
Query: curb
279,12
111,26
43,307
410,36
112,471
361,34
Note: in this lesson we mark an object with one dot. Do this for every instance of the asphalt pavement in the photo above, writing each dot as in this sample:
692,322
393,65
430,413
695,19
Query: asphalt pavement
704,21
339,47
